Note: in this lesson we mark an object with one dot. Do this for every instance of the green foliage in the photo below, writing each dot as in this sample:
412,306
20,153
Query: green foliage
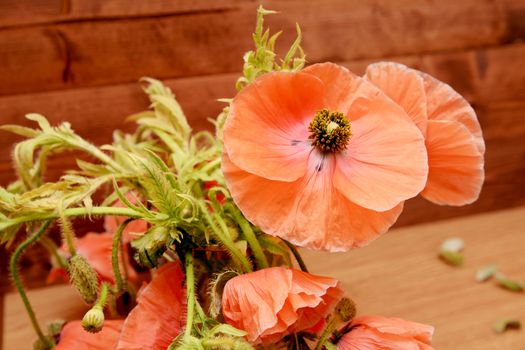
263,59
161,173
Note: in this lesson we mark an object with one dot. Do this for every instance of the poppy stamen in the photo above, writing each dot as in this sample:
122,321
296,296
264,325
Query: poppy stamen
329,131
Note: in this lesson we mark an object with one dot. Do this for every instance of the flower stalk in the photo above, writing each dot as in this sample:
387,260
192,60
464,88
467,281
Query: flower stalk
13,266
117,239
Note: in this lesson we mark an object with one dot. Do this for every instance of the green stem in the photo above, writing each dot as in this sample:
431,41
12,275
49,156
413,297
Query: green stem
52,248
190,291
326,333
13,266
297,255
119,283
103,296
250,236
225,239
67,231
116,211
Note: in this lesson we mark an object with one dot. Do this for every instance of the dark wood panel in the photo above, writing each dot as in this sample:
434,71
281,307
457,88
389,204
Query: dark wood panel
96,112
94,53
33,12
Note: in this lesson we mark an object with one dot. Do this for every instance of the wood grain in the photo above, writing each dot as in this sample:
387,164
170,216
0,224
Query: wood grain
94,53
34,12
398,275
494,84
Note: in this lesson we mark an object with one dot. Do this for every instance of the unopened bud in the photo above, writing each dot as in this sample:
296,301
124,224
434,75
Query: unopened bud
93,320
41,345
346,309
150,246
84,278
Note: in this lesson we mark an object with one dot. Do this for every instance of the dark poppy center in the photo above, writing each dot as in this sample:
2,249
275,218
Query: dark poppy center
329,131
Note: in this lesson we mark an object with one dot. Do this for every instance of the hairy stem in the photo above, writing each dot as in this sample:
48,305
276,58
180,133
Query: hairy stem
71,212
225,239
250,236
326,333
297,255
52,248
13,266
190,291
103,296
119,283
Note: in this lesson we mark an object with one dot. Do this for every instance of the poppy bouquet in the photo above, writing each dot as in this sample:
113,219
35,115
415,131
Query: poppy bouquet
201,229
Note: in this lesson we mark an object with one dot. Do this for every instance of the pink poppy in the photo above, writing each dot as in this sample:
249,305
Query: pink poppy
321,157
377,332
158,317
454,140
271,303
73,336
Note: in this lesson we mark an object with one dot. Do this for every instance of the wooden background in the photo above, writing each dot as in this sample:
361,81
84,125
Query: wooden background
80,60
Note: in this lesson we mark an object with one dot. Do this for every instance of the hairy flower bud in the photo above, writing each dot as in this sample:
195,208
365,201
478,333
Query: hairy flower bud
346,309
93,320
84,278
151,246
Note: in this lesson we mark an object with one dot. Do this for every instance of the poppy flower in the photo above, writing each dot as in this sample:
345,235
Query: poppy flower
133,229
454,139
73,336
376,332
321,157
159,315
97,249
271,303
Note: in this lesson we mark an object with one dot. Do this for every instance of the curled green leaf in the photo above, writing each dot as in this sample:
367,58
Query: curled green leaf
506,324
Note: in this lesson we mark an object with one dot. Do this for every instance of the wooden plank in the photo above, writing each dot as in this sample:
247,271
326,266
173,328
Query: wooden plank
398,275
96,112
94,53
32,12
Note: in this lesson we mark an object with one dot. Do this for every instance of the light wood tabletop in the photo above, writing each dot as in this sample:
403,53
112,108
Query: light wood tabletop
398,275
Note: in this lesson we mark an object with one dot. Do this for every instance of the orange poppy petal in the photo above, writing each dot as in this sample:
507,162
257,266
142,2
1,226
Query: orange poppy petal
403,85
456,166
271,303
266,131
365,338
385,162
393,325
340,85
309,212
158,317
73,336
444,103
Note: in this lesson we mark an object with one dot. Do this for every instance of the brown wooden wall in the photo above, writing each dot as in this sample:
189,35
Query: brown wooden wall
80,61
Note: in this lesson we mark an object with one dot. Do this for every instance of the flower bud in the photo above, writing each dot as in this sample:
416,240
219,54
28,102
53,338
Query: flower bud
54,328
346,309
151,246
84,278
93,320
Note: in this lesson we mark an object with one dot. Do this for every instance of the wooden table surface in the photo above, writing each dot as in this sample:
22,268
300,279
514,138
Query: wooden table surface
398,275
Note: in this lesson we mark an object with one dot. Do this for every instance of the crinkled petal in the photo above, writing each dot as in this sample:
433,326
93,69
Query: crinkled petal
456,166
444,103
159,315
250,305
274,302
404,86
74,337
267,126
309,212
385,162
